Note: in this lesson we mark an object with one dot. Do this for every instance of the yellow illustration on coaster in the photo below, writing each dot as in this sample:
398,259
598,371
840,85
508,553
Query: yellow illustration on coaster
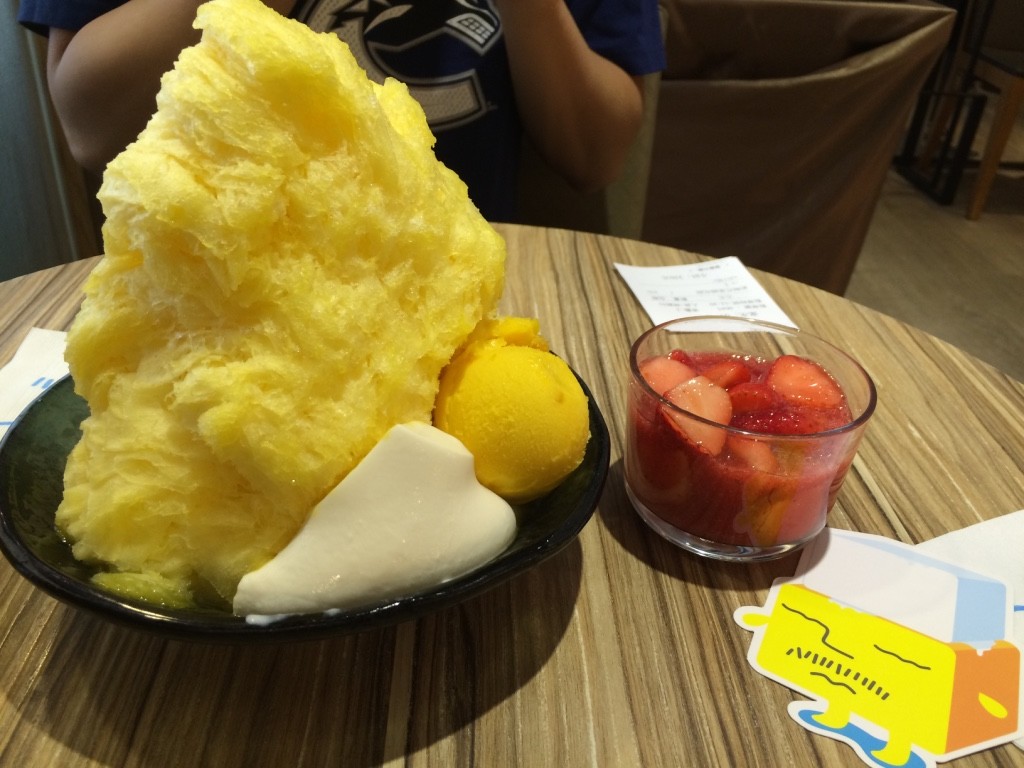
908,659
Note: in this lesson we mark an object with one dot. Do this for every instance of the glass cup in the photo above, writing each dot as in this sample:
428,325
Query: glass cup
727,492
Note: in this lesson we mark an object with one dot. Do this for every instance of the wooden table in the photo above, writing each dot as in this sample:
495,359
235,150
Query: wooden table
618,651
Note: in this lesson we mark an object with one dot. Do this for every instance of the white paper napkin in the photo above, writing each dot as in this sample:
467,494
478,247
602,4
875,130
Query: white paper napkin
719,287
35,367
992,548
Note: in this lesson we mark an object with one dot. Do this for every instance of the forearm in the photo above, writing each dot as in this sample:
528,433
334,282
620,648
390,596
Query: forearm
104,78
582,110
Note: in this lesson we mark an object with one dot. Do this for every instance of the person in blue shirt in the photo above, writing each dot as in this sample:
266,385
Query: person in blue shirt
565,71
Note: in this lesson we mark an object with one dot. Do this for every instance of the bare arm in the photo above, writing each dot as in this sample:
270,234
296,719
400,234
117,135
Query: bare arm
582,110
104,77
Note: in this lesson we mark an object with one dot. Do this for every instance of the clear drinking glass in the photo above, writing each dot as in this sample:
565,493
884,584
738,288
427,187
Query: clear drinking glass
727,492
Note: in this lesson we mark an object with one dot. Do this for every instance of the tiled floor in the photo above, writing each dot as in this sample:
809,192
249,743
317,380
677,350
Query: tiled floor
960,280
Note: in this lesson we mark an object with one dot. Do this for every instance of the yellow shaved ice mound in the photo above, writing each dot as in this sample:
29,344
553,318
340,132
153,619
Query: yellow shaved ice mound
287,270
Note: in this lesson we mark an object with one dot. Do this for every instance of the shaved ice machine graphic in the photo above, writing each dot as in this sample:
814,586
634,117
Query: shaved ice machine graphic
908,659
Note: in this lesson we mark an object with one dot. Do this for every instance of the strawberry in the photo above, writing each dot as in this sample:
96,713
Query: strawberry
664,373
762,422
749,396
790,420
803,382
727,373
681,357
753,453
701,397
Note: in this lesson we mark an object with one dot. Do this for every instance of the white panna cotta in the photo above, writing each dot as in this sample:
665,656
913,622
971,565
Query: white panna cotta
411,515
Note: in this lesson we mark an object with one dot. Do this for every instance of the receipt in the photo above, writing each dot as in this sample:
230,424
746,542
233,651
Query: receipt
719,287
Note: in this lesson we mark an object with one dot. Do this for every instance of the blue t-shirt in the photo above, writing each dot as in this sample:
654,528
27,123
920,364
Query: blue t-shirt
451,55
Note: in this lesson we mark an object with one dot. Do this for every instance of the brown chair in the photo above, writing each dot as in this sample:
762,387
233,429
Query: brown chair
988,61
1003,71
1000,66
777,124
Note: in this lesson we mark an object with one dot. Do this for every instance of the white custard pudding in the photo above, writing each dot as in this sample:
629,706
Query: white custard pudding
411,515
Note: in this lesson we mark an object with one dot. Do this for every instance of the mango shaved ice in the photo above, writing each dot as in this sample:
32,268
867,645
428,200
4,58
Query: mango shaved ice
287,270
517,407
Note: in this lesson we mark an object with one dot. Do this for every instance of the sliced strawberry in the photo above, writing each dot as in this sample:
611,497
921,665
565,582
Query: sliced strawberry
664,373
810,420
754,421
804,382
749,396
700,397
681,357
790,420
728,373
753,453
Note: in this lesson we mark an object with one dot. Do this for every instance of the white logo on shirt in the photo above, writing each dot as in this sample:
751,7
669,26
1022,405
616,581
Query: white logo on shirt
385,35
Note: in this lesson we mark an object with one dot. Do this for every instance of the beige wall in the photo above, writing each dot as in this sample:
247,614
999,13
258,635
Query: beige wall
45,216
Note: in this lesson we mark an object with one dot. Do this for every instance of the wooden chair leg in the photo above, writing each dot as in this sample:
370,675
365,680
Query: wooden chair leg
1011,98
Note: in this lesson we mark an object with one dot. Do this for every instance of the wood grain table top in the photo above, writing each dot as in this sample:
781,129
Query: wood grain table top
620,650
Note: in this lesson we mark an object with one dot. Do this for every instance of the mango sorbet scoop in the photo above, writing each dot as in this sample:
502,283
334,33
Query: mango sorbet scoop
287,270
518,409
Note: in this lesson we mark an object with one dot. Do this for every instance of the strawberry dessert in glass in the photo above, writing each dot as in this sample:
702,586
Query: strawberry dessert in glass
739,434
